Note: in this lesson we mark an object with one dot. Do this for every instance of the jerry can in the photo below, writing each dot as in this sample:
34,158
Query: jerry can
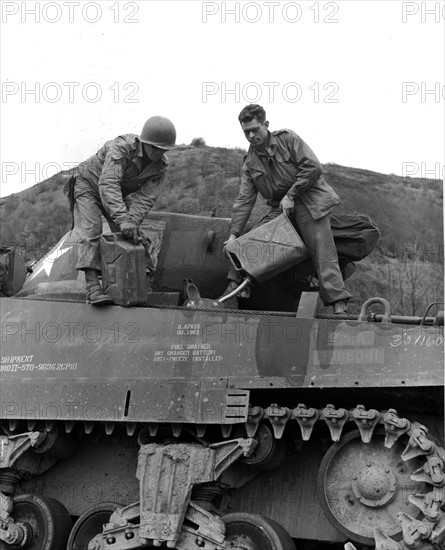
123,270
267,250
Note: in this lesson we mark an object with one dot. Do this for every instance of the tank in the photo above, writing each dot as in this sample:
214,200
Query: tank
184,425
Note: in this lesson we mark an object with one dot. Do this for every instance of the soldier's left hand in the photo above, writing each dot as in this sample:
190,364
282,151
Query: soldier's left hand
287,205
142,237
129,232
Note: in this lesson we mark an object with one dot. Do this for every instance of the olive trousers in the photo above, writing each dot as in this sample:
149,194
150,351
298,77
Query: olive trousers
88,211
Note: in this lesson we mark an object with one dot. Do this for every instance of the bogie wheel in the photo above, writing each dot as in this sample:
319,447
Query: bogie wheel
286,539
48,522
362,486
253,532
90,524
269,452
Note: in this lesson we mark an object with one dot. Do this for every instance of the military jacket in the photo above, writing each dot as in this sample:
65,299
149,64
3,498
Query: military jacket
118,170
288,166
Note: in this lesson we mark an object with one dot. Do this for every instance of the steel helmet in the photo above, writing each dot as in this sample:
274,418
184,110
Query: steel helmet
159,131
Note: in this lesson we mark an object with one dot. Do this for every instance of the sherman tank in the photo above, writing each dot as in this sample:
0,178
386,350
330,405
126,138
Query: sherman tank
186,423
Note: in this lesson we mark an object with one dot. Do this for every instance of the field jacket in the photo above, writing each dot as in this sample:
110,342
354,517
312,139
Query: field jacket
287,167
116,171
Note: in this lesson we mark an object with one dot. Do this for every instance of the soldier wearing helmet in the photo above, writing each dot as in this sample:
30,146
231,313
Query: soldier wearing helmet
121,181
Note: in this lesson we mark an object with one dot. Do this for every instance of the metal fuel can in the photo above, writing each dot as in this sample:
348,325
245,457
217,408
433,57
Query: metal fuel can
267,250
123,270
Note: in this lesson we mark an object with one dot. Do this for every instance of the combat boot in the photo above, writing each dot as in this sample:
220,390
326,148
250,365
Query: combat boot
340,307
95,294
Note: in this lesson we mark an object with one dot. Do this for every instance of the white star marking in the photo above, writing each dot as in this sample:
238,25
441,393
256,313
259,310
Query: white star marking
49,260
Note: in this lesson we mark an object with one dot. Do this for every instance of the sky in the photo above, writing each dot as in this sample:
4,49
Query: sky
362,82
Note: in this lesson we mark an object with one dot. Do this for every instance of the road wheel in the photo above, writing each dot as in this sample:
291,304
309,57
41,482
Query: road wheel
90,524
253,532
47,521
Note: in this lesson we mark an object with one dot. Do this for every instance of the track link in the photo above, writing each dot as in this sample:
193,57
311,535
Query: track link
426,534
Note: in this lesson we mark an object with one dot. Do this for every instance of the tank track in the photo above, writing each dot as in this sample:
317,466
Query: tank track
425,534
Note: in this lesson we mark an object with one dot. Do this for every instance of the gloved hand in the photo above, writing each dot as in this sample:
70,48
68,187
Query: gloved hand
287,205
129,232
231,238
142,238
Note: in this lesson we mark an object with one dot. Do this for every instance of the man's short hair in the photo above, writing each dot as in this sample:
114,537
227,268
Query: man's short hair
252,111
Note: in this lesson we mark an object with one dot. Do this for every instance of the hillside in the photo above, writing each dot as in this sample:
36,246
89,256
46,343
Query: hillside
408,260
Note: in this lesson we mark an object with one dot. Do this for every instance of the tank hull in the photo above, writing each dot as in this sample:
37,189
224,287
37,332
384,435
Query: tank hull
174,369
52,347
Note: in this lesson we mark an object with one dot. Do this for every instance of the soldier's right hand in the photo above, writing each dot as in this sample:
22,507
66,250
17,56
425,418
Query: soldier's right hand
231,238
129,232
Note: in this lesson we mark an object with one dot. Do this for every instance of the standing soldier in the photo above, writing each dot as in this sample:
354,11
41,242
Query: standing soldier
286,172
121,181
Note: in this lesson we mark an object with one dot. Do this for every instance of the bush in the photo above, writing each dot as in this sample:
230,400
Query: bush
198,142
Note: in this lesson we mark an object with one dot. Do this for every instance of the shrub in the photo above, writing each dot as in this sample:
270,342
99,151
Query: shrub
198,142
